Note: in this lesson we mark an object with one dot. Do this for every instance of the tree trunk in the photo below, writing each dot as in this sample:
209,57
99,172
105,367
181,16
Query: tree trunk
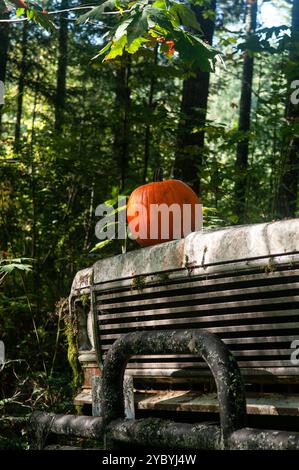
244,116
4,43
61,69
147,140
21,84
122,105
188,161
288,186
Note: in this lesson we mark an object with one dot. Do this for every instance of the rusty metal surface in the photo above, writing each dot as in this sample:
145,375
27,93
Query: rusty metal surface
256,315
96,396
159,433
243,242
263,439
82,279
179,284
155,432
83,398
202,249
192,401
230,387
266,264
152,299
90,371
41,424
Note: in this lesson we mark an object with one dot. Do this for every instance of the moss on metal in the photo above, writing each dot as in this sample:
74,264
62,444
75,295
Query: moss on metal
42,424
155,432
72,351
138,283
223,365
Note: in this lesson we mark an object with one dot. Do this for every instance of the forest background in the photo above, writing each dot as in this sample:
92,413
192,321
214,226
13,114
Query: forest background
77,131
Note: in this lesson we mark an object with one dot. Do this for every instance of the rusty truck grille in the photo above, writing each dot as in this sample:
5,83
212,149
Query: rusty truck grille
256,313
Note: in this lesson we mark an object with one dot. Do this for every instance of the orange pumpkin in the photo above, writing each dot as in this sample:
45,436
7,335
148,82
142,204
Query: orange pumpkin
161,211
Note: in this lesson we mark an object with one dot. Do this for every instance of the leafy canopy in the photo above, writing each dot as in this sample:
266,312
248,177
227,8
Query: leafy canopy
144,23
170,25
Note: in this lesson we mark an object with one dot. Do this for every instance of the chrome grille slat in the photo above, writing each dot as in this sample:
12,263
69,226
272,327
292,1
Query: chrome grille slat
248,292
201,319
260,278
256,315
203,307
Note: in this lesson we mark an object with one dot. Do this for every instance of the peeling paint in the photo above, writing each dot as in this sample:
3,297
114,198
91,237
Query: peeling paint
224,368
200,249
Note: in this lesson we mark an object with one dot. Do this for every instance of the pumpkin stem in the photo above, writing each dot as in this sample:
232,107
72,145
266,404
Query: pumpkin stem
158,174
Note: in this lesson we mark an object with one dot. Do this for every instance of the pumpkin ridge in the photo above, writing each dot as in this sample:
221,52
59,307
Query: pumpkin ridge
166,192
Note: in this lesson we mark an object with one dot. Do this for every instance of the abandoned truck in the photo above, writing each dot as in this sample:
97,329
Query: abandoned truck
192,343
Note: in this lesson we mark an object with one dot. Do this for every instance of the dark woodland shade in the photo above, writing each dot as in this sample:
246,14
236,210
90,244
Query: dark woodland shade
189,158
287,203
62,69
4,43
245,115
76,132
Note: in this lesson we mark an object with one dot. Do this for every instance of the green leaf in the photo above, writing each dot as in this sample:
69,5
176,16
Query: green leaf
122,28
186,15
135,45
195,51
119,7
274,30
43,20
20,11
96,13
138,26
163,24
160,4
117,210
11,267
209,209
34,5
117,48
30,14
234,218
102,51
20,260
100,245
108,224
155,13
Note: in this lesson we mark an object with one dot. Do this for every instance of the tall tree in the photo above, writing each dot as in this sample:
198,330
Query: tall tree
147,140
288,186
188,160
4,42
62,68
241,167
122,109
21,83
